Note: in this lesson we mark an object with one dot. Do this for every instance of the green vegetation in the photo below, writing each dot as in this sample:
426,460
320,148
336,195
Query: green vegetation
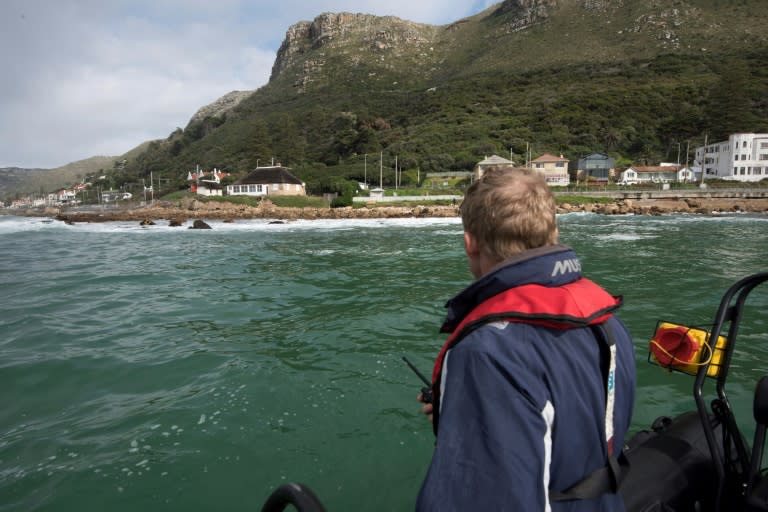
576,200
299,201
177,196
341,202
411,204
244,200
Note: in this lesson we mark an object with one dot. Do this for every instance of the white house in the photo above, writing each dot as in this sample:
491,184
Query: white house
62,197
743,157
264,181
206,183
662,173
686,175
683,174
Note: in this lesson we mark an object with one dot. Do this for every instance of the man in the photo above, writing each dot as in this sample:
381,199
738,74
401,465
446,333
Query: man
534,388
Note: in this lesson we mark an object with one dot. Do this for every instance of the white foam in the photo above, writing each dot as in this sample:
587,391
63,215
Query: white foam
623,237
11,224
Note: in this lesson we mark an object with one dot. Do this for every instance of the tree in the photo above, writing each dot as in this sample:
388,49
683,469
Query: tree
438,163
257,148
367,140
288,142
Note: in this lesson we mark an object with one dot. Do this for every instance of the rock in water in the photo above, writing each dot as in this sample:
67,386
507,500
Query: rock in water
199,224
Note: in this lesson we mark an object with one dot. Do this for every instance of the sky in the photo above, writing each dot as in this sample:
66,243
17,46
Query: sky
82,78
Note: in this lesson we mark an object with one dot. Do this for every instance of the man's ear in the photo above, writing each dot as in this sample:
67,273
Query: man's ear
470,245
474,258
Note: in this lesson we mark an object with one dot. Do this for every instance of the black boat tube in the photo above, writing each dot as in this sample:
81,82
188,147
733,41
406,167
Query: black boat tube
298,495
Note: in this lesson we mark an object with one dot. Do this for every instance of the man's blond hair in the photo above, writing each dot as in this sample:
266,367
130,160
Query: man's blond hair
510,210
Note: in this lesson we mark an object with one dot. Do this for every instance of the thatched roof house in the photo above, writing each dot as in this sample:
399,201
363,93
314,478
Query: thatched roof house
264,181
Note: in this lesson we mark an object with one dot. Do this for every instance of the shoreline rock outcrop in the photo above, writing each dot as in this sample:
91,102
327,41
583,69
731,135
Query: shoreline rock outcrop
191,210
700,206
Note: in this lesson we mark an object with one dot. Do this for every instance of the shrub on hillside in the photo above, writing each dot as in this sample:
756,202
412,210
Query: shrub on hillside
341,201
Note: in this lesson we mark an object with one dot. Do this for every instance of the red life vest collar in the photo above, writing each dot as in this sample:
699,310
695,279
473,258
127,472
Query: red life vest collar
579,303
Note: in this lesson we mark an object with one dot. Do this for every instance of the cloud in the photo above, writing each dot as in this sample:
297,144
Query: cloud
87,77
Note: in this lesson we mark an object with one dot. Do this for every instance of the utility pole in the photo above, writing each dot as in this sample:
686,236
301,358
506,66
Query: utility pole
365,169
703,159
381,170
527,154
396,180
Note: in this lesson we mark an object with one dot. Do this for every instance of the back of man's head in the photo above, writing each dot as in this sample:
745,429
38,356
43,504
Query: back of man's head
510,210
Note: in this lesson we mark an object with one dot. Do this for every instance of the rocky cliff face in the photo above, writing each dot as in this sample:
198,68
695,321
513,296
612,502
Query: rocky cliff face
221,105
334,45
524,13
600,5
361,38
384,42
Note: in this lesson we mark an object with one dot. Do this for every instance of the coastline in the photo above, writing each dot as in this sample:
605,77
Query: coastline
191,210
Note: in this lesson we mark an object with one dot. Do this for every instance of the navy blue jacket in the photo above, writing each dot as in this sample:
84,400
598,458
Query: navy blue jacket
522,398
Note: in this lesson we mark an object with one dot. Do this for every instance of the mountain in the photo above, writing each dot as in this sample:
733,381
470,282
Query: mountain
18,182
15,181
348,92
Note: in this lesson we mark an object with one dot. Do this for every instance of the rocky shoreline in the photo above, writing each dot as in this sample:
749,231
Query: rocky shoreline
190,210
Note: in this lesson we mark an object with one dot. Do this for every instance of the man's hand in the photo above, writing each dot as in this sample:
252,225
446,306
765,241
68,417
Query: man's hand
425,408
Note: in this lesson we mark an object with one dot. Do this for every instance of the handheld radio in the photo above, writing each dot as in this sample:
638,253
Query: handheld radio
426,391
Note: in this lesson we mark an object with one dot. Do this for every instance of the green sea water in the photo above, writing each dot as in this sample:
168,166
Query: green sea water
172,369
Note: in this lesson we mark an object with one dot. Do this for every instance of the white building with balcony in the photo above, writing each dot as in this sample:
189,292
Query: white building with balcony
554,169
743,157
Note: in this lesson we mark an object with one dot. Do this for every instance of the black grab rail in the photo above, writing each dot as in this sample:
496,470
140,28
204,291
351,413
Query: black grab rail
729,313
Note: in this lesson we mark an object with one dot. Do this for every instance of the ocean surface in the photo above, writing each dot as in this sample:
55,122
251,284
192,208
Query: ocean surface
169,369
